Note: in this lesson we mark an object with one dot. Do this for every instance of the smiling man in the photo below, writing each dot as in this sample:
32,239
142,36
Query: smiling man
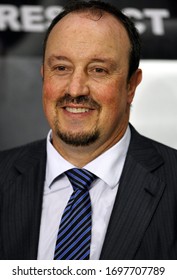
96,189
87,91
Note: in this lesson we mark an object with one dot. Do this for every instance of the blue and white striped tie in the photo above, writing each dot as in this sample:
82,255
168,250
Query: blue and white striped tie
74,236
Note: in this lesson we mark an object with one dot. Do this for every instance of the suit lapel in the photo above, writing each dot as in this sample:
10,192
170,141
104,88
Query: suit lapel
137,198
22,201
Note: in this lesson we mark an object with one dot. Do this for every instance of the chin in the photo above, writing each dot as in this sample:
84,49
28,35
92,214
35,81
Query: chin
78,139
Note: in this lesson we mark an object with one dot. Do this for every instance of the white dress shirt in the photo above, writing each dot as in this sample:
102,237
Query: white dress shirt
57,191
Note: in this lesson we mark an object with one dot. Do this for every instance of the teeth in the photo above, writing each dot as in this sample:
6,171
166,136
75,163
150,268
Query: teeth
76,110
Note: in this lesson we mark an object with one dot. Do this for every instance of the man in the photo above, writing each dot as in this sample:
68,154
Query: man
90,74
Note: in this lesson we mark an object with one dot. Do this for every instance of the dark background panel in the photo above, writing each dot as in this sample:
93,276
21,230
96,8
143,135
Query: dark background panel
24,33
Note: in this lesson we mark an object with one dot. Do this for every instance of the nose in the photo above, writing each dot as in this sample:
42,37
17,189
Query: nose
78,84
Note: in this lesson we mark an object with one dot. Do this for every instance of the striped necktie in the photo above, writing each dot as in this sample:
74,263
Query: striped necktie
74,236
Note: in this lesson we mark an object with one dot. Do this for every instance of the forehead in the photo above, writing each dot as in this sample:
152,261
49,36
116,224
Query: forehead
88,29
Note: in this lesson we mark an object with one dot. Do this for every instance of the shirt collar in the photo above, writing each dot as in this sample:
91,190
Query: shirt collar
56,164
108,166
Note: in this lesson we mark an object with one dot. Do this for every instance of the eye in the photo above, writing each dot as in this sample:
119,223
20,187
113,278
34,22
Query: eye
61,68
98,71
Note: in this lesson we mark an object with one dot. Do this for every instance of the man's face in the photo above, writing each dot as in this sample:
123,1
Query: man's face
86,94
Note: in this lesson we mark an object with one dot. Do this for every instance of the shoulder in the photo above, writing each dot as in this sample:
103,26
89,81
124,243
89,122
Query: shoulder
164,150
143,145
169,156
33,149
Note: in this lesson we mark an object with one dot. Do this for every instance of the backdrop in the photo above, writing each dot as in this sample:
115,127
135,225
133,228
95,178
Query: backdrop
22,28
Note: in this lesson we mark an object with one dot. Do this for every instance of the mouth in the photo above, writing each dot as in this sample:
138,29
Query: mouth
78,110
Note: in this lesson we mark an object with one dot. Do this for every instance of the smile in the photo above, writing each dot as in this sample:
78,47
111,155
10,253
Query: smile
76,110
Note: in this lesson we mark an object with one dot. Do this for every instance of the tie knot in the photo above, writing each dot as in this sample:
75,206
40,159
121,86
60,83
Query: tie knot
80,178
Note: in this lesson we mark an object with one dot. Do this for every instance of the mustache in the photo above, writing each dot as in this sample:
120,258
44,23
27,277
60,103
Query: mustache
81,99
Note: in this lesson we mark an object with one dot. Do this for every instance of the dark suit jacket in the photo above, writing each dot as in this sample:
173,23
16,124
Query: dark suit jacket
143,223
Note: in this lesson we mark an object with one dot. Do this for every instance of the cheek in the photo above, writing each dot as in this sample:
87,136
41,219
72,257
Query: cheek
49,100
49,91
113,100
111,96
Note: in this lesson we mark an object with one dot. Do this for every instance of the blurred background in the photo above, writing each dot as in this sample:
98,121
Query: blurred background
22,29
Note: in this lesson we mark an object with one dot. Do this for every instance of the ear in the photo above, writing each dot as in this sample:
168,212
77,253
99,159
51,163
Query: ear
134,81
42,71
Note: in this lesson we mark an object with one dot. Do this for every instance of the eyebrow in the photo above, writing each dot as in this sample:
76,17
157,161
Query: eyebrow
110,61
56,57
